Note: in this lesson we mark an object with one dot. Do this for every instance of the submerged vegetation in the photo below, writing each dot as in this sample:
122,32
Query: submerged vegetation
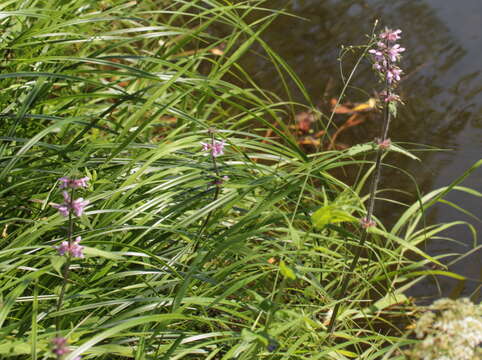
145,214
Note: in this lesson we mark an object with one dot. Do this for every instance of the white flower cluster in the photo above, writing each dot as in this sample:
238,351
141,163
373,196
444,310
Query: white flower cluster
452,330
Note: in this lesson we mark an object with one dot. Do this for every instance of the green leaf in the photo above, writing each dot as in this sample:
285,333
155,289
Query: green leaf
392,107
330,214
389,300
297,240
405,245
439,272
360,148
347,353
286,271
403,152
250,336
57,263
101,253
16,347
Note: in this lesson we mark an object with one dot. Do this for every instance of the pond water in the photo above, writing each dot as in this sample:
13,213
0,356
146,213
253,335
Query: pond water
442,90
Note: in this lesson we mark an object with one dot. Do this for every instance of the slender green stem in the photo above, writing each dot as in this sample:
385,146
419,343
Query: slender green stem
66,267
346,83
361,242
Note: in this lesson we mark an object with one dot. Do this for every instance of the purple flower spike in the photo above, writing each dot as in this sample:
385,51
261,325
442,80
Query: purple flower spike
386,54
82,182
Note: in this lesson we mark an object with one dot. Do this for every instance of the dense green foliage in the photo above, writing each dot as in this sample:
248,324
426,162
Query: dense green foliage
177,267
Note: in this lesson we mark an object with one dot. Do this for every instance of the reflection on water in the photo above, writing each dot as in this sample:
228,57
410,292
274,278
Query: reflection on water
441,89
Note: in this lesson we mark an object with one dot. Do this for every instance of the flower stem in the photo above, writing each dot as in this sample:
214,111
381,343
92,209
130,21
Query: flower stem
216,195
371,206
66,267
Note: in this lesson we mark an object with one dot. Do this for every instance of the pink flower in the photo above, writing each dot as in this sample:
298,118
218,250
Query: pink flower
206,147
393,74
66,197
63,248
216,147
63,209
78,206
390,35
376,53
365,223
382,46
82,182
390,98
394,52
66,182
60,346
385,144
74,249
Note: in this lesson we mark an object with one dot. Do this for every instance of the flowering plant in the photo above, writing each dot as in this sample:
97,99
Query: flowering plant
385,56
69,247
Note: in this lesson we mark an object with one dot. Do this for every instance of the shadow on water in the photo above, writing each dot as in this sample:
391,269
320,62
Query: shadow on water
441,90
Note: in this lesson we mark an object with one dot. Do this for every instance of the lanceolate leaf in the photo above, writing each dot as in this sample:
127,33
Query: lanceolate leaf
330,214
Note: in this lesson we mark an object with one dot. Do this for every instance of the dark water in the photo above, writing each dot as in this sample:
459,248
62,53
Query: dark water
442,90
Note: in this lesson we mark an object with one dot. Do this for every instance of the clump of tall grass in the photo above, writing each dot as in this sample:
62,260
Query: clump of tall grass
191,250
